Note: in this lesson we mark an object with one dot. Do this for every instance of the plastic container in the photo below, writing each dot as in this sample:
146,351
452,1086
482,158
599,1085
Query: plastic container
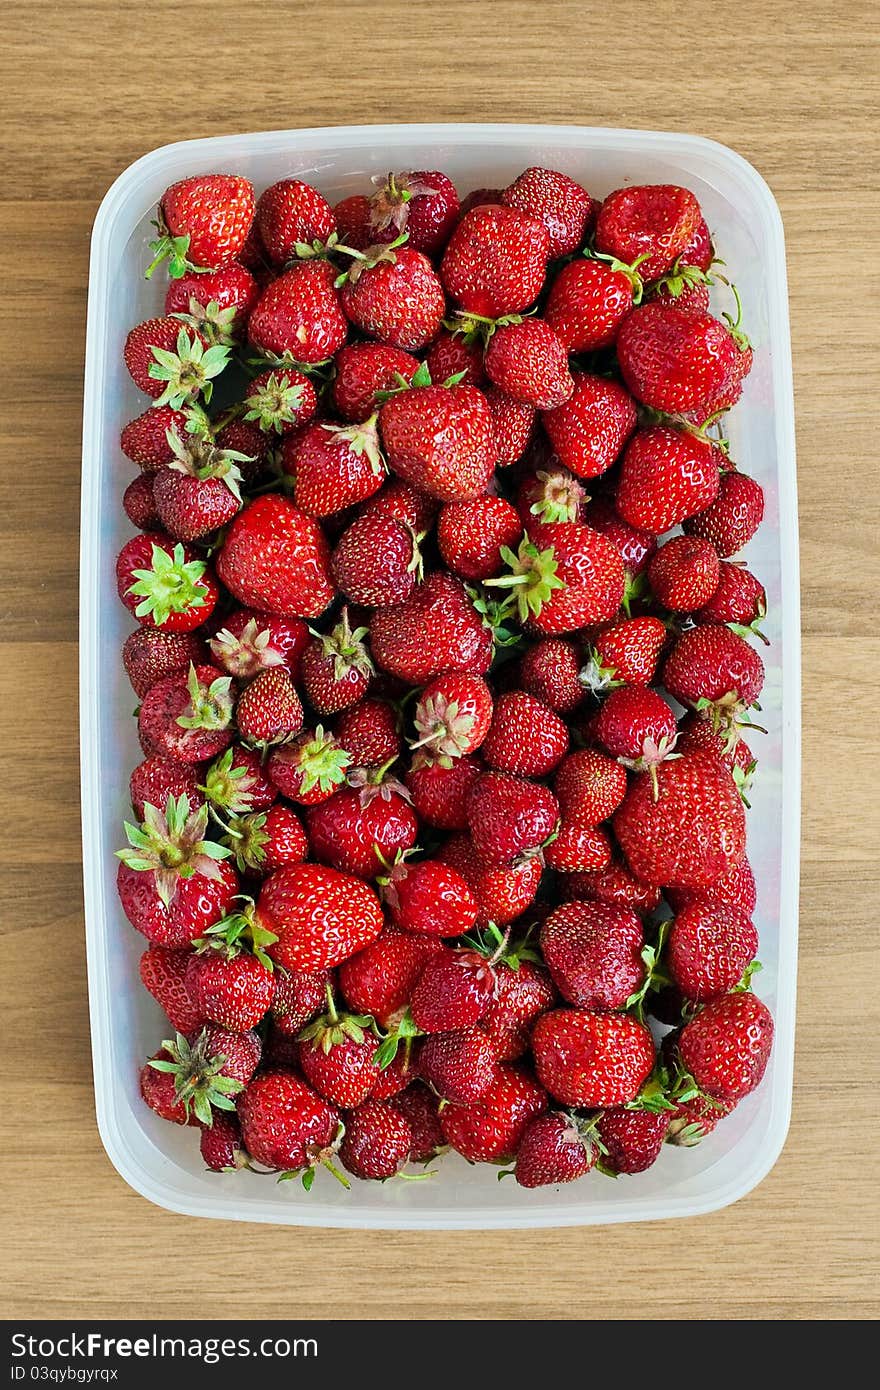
162,1161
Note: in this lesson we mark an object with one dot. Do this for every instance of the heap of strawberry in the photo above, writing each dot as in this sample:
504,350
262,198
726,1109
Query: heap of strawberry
435,519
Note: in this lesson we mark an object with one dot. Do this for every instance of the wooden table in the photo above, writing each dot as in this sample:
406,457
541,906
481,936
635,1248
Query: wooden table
86,88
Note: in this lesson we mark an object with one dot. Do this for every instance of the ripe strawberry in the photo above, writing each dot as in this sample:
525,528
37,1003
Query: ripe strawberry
692,832
652,223
276,559
236,783
217,304
360,829
369,732
676,359
139,504
693,1120
250,642
199,491
418,1106
625,653
157,778
150,653
380,979
163,583
320,916
495,261
436,630
503,891
234,990
454,352
392,293
376,561
453,991
269,709
298,317
527,361
550,671
353,223
708,950
635,546
513,423
291,212
188,715
491,1128
740,600
220,1145
172,362
594,954
588,302
471,535
521,994
578,848
430,898
727,1046
145,439
525,736
336,1053
509,816
589,786
714,666
336,667
186,1082
567,577
459,1065
159,1092
279,401
633,1139
171,881
555,1148
635,725
333,466
731,517
735,888
163,973
439,790
698,733
666,476
267,840
286,1125
299,996
684,573
363,370
311,769
203,222
424,204
553,198
589,1059
589,430
239,1052
550,494
479,197
613,884
377,1141
440,439
248,440
452,716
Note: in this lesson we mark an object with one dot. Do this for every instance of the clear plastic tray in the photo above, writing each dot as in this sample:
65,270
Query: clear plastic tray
162,1161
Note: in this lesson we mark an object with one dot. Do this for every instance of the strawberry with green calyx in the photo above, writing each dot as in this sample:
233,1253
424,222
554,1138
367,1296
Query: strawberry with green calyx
200,489
713,669
711,951
635,725
311,768
510,818
724,1050
214,326
654,222
333,466
739,601
336,667
236,784
336,1054
423,203
361,828
266,840
558,1147
239,932
185,1086
590,298
144,440
551,494
694,1119
452,717
281,400
298,318
363,370
290,212
171,362
203,222
217,303
164,584
250,642
625,653
392,293
594,954
567,578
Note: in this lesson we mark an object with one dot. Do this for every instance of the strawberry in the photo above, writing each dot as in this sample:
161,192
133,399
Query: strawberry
439,790
188,715
311,769
217,304
286,1125
424,204
392,293
557,201
589,786
479,197
279,401
555,1148
236,782
380,979
336,667
693,1120
320,916
250,642
220,1146
686,830
363,370
513,423
491,1128
471,535
698,732
589,430
172,881
565,578
276,559
163,583
299,996
594,954
430,898
269,709
612,884
525,737
521,994
636,726
550,670
676,359
247,440
714,666
527,361
418,1106
735,888
203,222
440,439
139,504
353,223
298,317
731,516
452,716
459,1065
739,600
291,214
453,991
651,223
400,502
145,439
495,261
436,630
163,973
187,1080
684,573
727,1046
625,653
159,1092
369,732
635,546
333,466
454,352
589,1059
172,362
588,302
376,561
577,848
708,950
666,477
229,985
150,653
632,1139
199,490
336,1055
377,1141
509,817
157,778
361,828
263,841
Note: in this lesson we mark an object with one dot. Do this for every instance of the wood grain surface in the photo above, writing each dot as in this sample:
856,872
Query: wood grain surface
88,87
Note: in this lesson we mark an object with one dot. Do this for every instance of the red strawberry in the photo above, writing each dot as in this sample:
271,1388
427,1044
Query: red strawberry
479,198
149,653
139,504
588,1059
565,578
250,642
439,790
376,560
495,261
163,583
589,430
684,573
693,1120
594,953
237,783
392,293
589,787
285,1125
333,466
525,737
452,353
503,891
714,666
353,221
440,439
613,884
234,990
299,996
730,517
636,546
247,440
203,222
217,304
452,716
471,535
320,916
269,709
635,725
430,898
453,991
187,1083
199,491
491,1128
298,317
419,1108
654,222
509,816
172,362
267,840
459,1065
291,212
369,732
279,401
513,423
708,950
145,439
336,1055
588,302
365,369
527,361
666,476
437,629
550,671
692,832
188,715
727,1046
633,1139
521,994
311,769
157,778
336,667
578,848
275,558
740,600
163,973
555,1148
699,732
557,201
360,829
676,359
397,500
735,888
625,653
220,1145
423,203
380,979
377,1141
